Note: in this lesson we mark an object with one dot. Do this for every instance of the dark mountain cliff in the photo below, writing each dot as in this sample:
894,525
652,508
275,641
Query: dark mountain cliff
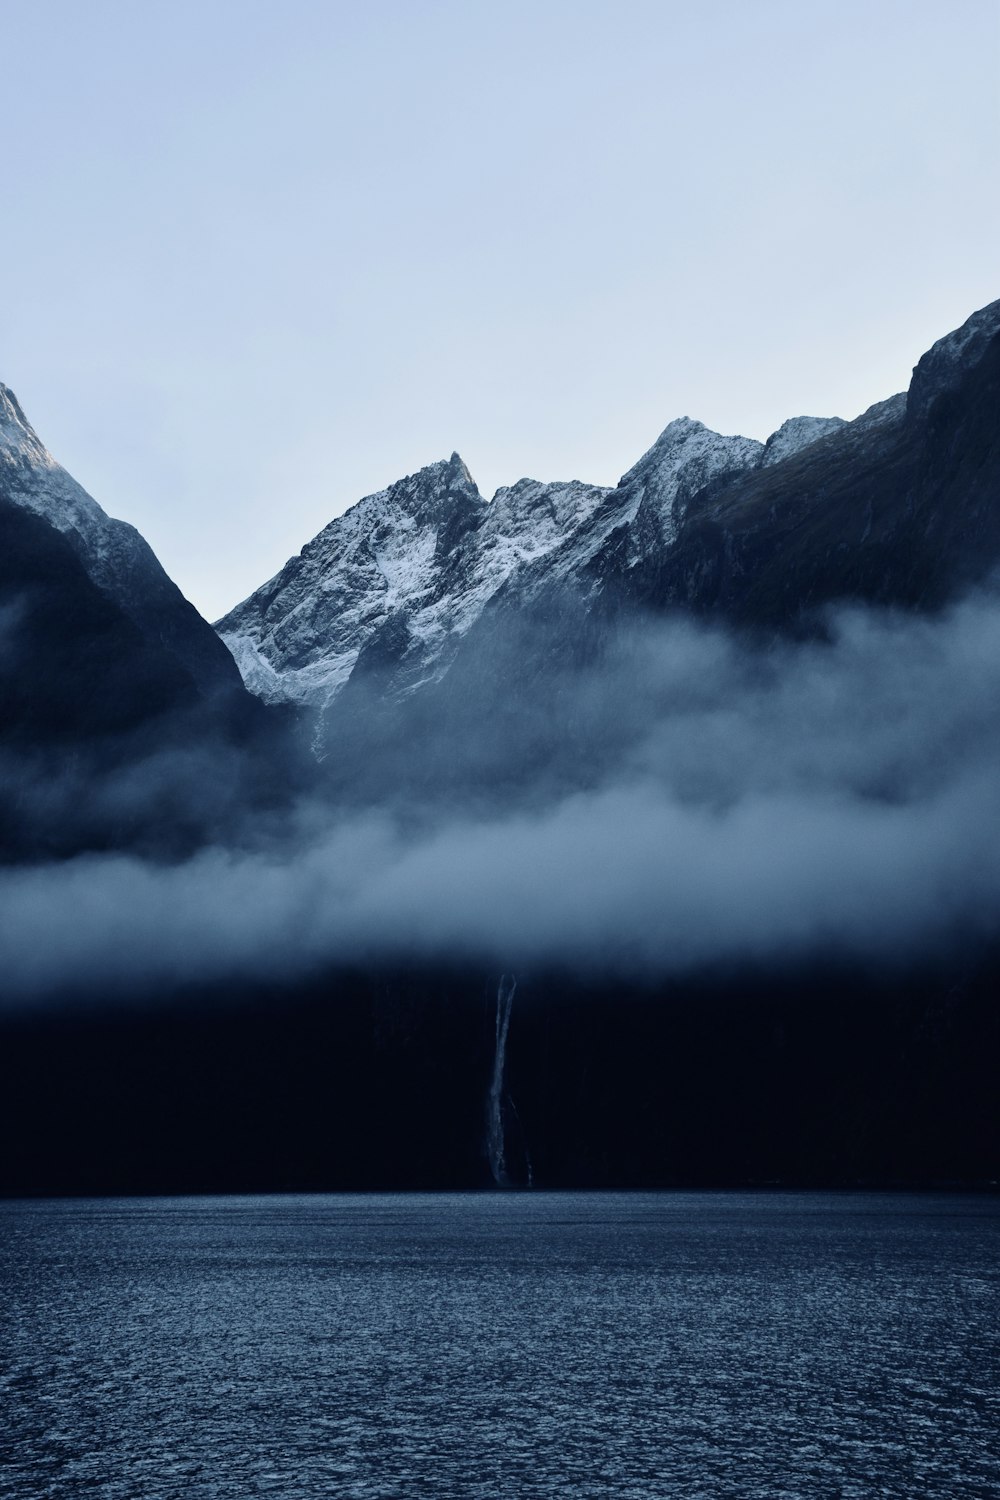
900,511
123,719
113,555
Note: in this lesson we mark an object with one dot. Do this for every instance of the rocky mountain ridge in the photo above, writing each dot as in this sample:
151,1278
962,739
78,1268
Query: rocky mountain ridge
115,557
414,566
402,577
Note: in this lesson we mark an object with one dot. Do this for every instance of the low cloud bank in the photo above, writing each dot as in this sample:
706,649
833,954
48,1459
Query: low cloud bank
842,796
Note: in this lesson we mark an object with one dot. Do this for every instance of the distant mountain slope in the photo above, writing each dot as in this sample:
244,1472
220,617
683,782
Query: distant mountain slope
405,573
85,700
442,637
123,718
896,507
901,507
113,554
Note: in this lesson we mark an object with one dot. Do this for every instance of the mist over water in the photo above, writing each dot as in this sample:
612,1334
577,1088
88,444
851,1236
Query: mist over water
680,800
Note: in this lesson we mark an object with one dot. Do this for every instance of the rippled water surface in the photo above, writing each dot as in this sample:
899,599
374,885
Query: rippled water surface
510,1345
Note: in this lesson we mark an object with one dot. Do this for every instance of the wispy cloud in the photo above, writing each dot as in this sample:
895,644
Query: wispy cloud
840,795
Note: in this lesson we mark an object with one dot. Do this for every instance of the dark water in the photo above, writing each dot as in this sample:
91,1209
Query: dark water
513,1345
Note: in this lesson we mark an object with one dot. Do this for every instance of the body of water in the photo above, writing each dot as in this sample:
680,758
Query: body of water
518,1344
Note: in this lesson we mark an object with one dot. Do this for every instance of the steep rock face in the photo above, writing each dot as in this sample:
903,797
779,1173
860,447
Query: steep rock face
899,507
946,364
97,720
114,555
73,666
400,577
395,583
683,460
123,719
893,507
299,636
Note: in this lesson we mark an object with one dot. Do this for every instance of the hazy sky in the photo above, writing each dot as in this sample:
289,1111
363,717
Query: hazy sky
260,260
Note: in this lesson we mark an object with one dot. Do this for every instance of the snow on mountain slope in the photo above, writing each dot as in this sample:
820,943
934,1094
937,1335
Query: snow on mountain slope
298,637
423,558
795,434
427,551
398,580
32,479
685,457
115,556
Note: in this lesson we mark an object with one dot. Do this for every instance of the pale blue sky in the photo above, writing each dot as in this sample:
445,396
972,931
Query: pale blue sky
261,260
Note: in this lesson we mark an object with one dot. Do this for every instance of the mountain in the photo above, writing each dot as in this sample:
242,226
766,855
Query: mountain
454,648
125,722
299,636
112,553
895,507
73,665
442,637
404,574
625,860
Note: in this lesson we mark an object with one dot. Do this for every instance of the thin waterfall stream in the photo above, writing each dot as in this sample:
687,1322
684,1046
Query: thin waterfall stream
495,1144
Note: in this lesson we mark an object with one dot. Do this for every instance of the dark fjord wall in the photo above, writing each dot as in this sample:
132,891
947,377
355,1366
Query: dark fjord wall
372,1080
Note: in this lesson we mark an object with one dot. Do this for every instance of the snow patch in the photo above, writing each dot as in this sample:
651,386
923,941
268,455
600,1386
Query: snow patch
795,434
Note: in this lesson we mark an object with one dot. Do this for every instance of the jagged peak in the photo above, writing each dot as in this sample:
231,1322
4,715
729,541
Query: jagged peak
686,440
518,487
448,480
434,492
458,465
18,439
680,429
454,467
11,409
529,486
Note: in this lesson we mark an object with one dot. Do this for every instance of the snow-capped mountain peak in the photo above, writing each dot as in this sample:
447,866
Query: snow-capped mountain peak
413,566
400,578
18,440
795,434
685,458
116,558
299,636
37,482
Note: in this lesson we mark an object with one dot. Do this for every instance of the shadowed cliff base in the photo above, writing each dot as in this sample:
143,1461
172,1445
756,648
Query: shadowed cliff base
824,1075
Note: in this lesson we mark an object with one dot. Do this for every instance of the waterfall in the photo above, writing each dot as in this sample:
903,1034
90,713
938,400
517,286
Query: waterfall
316,742
495,1133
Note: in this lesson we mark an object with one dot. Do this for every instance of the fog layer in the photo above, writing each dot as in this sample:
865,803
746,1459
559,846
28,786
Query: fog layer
839,796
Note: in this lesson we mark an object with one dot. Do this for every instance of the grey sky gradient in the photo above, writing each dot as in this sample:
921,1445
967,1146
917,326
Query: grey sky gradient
261,260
